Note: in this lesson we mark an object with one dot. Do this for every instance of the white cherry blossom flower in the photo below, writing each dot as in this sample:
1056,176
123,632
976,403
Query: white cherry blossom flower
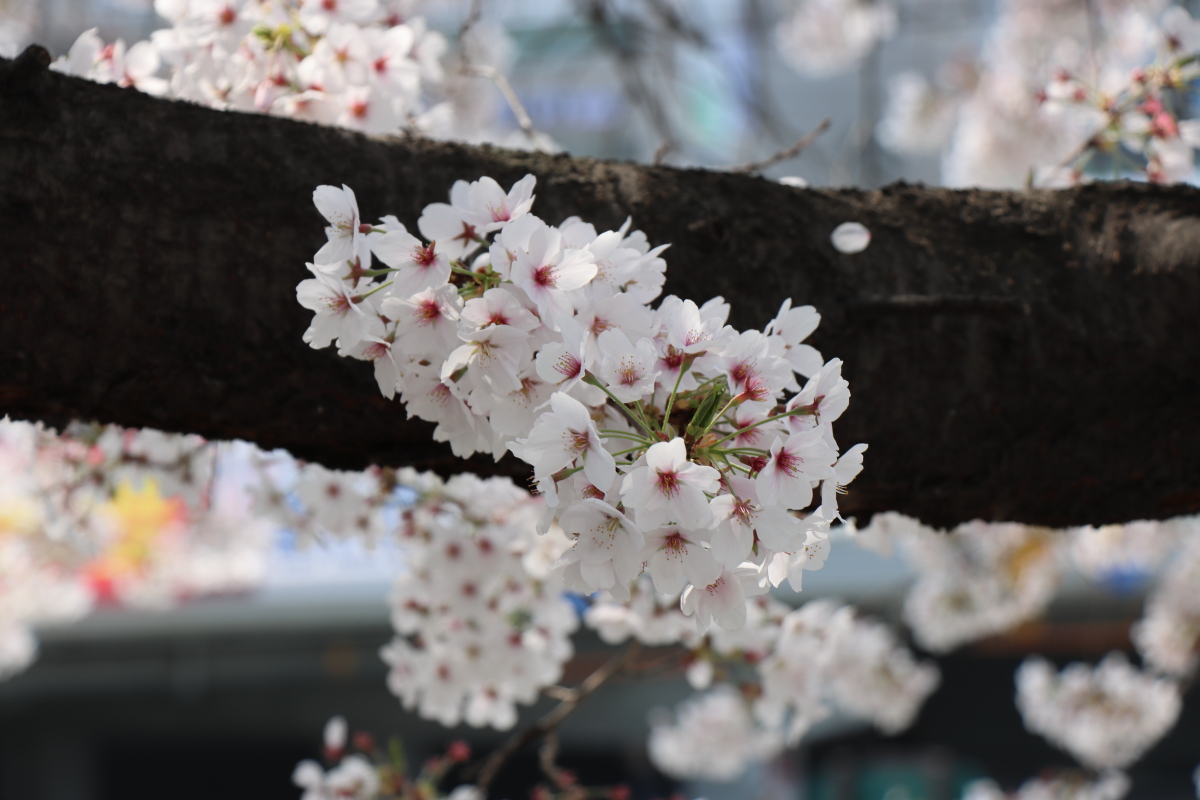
792,467
419,266
340,209
714,738
488,207
564,436
741,519
1106,717
669,488
848,465
548,274
499,307
628,371
607,547
426,322
339,314
724,600
675,557
790,328
491,356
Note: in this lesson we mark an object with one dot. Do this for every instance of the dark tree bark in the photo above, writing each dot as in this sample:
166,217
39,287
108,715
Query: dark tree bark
1030,356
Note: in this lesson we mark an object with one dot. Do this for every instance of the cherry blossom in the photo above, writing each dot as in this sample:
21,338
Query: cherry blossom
352,63
528,350
563,436
713,736
724,600
669,488
1106,717
792,467
627,369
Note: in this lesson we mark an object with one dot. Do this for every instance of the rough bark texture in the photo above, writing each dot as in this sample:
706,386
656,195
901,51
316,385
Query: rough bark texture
1012,355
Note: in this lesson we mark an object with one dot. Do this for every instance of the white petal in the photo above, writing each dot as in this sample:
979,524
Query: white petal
850,237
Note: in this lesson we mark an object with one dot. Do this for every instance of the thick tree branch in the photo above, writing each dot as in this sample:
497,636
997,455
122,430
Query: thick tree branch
1029,356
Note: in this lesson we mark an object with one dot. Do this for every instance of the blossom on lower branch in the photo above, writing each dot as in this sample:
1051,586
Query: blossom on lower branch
481,623
797,667
662,438
1106,717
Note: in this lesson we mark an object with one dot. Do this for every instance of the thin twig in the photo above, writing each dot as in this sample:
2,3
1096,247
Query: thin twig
491,73
551,721
472,17
784,155
547,759
628,57
497,77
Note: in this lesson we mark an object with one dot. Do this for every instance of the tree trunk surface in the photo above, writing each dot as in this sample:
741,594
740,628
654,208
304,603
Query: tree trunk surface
1030,356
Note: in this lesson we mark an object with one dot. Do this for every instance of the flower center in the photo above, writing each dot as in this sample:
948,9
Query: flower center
428,312
668,483
425,256
568,366
788,463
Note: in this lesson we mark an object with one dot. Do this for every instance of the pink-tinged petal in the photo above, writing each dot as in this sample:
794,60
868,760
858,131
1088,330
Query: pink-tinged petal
600,576
666,571
600,467
335,204
706,479
850,464
700,566
396,248
666,456
778,529
777,568
574,271
690,508
572,412
731,543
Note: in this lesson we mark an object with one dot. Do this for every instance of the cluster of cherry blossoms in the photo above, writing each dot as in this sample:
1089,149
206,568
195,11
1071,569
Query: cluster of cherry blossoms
104,515
1066,785
361,64
1135,116
982,579
824,37
357,769
1106,716
662,438
712,736
782,672
1168,635
1056,85
18,21
480,617
978,580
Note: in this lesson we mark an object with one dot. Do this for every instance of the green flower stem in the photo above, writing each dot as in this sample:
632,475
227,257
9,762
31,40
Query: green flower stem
594,381
745,451
464,271
671,400
799,412
625,435
362,297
